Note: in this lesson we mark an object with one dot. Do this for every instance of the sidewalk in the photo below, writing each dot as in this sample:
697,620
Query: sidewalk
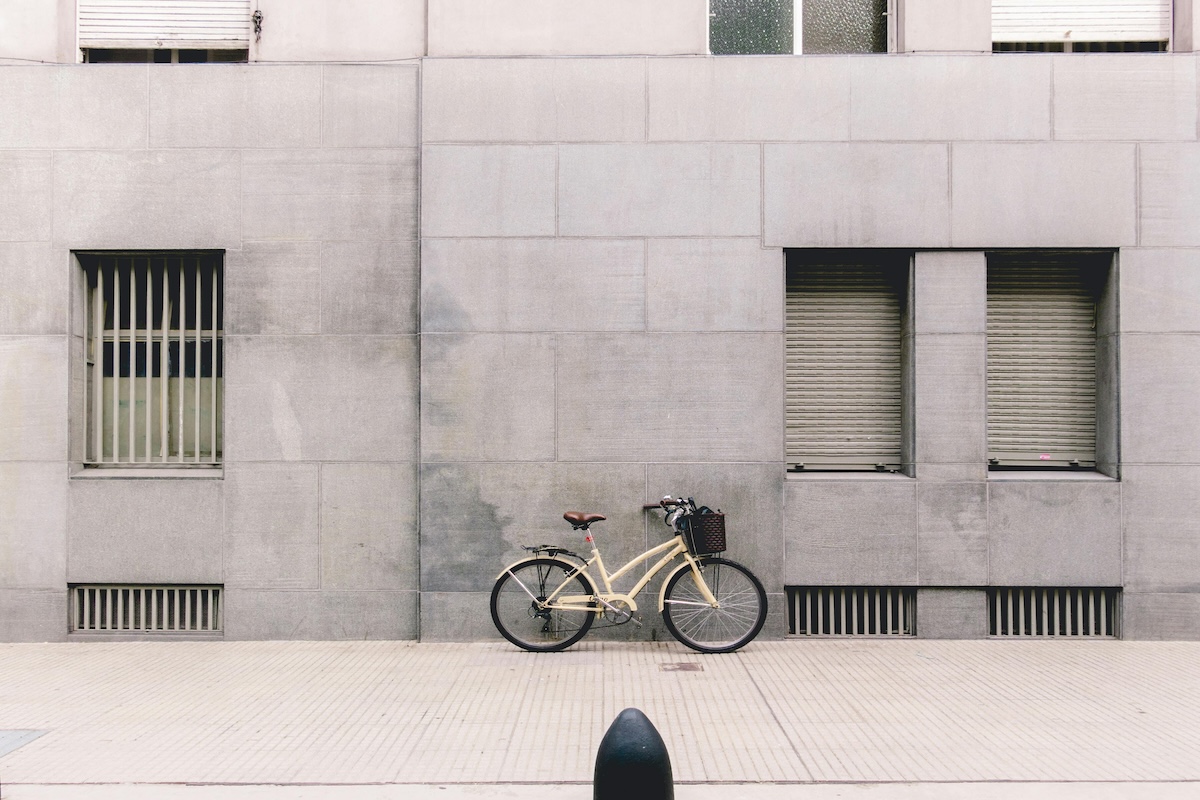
903,720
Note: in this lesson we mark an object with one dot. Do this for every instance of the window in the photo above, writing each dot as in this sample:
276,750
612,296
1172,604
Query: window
1081,26
164,31
845,360
105,55
1042,358
745,27
155,358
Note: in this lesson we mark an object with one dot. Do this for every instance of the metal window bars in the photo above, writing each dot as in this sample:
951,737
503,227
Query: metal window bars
146,609
1059,611
155,358
852,611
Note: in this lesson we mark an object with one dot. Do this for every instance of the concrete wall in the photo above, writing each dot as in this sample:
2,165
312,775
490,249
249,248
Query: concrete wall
554,28
597,320
340,30
306,176
624,214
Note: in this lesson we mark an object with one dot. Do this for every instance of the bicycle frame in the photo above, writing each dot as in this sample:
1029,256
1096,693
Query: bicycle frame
672,548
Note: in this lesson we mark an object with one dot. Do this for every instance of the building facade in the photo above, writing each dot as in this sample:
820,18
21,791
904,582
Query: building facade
309,346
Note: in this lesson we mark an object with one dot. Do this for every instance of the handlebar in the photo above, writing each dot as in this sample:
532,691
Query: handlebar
668,503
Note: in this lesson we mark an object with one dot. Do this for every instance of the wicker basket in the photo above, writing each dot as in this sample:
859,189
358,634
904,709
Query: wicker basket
704,533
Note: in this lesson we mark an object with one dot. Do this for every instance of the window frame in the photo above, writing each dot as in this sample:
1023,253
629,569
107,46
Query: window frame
151,353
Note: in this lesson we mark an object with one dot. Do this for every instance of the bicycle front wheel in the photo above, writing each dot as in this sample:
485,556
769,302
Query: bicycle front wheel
739,616
519,605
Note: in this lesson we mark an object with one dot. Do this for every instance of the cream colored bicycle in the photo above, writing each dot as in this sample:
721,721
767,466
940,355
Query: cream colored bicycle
549,601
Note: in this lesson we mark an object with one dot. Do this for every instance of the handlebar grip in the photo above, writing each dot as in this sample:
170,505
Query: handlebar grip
648,506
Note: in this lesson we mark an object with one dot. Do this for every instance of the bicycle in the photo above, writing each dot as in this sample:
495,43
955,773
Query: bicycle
549,601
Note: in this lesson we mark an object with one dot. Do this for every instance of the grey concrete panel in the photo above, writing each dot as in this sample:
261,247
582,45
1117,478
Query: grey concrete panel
33,398
33,615
367,105
228,105
952,614
25,196
1169,194
1107,96
1160,377
1160,290
323,398
952,534
273,287
1073,194
855,532
950,292
749,99
320,616
946,26
950,399
29,32
659,190
949,98
532,285
475,518
35,281
147,199
100,105
856,195
534,100
726,285
750,495
1161,512
670,397
342,30
1160,616
272,538
1108,405
457,617
369,537
369,287
488,190
145,531
1047,532
584,27
351,194
33,527
487,397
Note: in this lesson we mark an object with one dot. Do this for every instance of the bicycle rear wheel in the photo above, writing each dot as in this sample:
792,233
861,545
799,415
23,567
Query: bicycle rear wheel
521,618
741,611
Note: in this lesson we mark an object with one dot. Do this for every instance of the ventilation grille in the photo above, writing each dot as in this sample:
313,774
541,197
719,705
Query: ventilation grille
851,611
146,609
1053,612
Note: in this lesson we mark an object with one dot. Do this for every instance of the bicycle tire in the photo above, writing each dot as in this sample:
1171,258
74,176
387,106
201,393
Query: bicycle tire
517,616
738,619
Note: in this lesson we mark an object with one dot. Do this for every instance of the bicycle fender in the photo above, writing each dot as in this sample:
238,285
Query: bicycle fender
662,590
566,565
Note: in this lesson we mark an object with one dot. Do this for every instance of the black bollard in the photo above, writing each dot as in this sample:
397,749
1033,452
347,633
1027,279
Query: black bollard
632,762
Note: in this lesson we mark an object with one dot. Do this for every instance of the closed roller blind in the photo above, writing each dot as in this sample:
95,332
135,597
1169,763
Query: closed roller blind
1081,21
843,366
211,24
1041,360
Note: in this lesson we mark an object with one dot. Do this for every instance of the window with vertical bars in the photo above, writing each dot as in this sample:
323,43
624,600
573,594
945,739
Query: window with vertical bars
1058,611
852,611
155,359
107,608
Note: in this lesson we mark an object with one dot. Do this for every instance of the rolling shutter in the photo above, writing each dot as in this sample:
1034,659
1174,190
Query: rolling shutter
203,24
1081,20
843,370
1041,360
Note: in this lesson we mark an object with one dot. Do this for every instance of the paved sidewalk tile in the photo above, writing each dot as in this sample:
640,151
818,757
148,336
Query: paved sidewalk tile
794,712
